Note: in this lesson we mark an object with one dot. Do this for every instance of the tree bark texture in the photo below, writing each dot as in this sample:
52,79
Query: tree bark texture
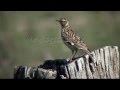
104,66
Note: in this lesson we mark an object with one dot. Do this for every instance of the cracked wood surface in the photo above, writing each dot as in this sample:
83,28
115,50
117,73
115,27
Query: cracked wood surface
105,66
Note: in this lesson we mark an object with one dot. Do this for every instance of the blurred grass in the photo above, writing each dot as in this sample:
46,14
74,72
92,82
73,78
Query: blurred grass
31,37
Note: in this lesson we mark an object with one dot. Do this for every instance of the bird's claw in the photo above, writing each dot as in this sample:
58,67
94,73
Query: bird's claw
69,60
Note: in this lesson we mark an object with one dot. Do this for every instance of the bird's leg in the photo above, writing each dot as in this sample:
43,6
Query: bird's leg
89,53
73,54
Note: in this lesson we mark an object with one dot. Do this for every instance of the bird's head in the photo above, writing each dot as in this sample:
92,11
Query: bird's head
63,22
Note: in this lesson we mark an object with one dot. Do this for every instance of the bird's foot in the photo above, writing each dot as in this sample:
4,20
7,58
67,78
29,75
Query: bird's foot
69,60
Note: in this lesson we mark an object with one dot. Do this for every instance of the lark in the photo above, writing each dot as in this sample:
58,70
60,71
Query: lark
71,40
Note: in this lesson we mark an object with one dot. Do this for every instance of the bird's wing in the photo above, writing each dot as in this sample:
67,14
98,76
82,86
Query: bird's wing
70,37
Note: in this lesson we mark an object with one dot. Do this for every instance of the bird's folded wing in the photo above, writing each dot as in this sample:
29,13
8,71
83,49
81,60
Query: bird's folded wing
74,40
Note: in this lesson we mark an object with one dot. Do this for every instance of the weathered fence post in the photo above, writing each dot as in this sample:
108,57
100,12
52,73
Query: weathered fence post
105,66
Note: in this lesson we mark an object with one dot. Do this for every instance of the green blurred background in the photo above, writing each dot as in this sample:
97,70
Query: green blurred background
31,37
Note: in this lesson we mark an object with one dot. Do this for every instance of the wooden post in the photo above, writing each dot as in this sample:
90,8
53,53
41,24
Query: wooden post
105,66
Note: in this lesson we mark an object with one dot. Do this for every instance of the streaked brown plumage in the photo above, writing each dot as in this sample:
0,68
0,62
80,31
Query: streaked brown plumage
73,42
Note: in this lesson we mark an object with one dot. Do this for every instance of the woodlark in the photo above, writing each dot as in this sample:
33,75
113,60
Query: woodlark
71,40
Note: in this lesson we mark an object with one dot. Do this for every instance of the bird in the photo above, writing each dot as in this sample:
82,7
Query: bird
71,39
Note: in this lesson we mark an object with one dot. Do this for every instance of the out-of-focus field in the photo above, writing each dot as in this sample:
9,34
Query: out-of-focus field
31,37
